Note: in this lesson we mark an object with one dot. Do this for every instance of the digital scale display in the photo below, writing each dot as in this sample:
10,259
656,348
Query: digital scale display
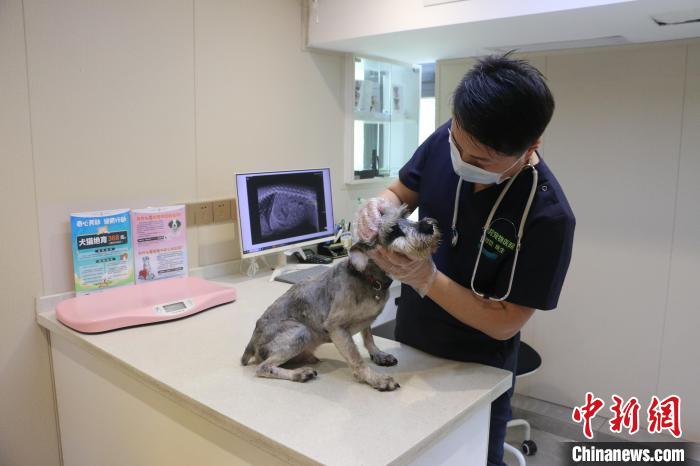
174,307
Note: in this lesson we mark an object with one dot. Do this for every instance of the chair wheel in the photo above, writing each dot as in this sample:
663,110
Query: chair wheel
529,447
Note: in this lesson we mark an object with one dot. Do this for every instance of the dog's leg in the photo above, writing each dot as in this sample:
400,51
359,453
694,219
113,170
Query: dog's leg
270,368
346,346
379,357
307,357
282,348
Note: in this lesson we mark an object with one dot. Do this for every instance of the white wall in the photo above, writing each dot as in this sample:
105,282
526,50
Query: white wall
135,103
615,143
222,87
27,419
678,371
112,105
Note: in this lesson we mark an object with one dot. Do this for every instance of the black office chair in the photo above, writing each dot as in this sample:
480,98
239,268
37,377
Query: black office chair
529,361
385,330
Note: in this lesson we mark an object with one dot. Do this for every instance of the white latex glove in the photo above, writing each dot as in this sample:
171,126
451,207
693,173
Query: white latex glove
368,218
419,274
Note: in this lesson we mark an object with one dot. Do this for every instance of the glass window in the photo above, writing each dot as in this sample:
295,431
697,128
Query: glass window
426,124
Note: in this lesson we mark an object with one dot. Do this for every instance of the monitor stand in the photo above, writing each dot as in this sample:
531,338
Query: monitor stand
282,266
282,257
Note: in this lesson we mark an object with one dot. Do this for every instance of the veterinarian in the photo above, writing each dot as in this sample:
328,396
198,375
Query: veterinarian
451,305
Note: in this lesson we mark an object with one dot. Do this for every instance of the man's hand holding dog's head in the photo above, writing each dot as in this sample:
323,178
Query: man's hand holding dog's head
417,273
369,218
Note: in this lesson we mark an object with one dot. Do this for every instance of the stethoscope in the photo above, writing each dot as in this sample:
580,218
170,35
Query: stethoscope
487,224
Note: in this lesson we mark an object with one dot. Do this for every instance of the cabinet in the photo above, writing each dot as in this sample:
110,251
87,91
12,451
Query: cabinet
383,117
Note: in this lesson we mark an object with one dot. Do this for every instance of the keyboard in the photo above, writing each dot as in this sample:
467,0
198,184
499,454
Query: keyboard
299,275
318,259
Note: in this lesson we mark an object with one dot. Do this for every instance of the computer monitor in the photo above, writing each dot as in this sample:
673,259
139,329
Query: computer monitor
284,209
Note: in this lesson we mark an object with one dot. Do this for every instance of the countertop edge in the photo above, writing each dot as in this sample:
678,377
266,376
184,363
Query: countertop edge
410,454
259,440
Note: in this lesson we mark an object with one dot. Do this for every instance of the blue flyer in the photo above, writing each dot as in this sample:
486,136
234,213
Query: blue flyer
102,250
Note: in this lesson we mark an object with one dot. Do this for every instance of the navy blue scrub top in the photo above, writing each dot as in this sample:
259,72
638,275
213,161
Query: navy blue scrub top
542,263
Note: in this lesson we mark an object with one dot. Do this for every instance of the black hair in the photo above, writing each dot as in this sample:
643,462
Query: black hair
503,103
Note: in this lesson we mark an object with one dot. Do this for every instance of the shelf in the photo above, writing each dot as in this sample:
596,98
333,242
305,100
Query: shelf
375,180
374,117
369,117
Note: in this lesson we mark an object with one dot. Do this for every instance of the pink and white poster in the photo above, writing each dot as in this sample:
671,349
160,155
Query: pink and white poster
160,242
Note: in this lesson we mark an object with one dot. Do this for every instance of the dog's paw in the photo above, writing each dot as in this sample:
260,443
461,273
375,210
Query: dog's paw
384,359
303,374
383,383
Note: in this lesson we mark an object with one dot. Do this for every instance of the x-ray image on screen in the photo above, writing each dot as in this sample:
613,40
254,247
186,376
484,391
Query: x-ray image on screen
284,208
287,211
288,206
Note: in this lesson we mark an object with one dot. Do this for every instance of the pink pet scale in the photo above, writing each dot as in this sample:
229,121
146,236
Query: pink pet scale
147,303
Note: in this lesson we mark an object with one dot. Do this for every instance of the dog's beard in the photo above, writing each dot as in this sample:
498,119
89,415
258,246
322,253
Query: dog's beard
409,241
417,246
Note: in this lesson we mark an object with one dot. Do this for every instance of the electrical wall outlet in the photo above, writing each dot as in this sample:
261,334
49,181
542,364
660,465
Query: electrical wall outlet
208,212
222,211
203,213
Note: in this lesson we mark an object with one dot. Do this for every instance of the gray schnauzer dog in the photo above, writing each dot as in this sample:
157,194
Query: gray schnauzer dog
335,305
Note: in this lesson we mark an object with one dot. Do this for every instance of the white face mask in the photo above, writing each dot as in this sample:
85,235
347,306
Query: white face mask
472,173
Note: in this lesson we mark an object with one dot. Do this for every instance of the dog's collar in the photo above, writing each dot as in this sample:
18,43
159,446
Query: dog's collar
377,283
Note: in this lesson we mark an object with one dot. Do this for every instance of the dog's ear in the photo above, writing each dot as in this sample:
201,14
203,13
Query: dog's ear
357,255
